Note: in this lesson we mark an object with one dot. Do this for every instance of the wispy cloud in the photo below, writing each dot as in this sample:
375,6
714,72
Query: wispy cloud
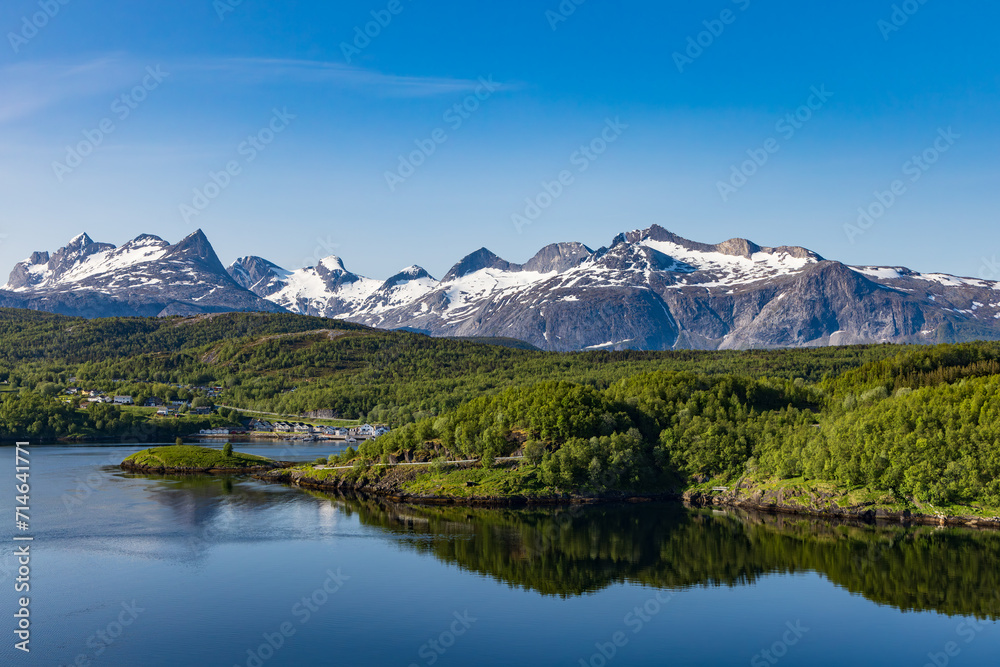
29,88
273,70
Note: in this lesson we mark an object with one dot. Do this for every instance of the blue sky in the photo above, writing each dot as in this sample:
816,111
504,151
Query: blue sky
211,75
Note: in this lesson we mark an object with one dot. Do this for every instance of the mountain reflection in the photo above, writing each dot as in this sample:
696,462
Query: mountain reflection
574,551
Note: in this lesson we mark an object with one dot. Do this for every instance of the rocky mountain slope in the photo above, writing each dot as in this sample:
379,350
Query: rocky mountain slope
649,289
146,277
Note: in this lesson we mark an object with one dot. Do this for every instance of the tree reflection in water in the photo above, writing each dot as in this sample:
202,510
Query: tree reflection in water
572,551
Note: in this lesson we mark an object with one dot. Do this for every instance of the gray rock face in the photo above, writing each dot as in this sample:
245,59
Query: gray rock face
258,275
558,257
405,276
477,261
649,289
145,277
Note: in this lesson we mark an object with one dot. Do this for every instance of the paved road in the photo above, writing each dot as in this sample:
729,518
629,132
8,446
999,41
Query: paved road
275,414
393,465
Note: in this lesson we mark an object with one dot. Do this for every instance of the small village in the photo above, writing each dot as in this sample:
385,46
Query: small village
253,427
264,428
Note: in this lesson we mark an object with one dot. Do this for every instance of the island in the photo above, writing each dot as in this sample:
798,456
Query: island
190,459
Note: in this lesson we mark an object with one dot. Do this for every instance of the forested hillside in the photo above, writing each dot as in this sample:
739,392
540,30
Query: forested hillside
916,422
395,377
923,424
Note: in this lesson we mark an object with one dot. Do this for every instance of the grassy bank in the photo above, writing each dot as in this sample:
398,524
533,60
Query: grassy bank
814,497
193,458
515,483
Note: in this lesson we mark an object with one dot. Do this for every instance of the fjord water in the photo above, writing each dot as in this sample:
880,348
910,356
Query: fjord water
132,570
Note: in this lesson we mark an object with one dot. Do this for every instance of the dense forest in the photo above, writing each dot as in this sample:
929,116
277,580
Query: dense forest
924,424
393,377
916,422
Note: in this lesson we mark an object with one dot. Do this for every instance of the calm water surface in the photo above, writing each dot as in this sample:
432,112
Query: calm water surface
138,571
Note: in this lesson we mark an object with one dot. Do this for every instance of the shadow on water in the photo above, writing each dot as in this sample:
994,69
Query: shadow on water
573,551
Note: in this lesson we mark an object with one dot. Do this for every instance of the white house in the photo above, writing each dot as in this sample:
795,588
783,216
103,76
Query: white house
124,400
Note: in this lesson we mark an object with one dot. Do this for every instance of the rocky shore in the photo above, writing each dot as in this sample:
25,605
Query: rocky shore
825,505
391,486
131,466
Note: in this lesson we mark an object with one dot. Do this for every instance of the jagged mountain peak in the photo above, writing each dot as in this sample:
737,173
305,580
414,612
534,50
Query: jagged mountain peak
252,263
332,263
80,240
80,248
258,275
195,249
477,261
195,243
738,247
558,257
145,276
146,240
626,256
82,243
408,274
414,272
660,234
652,289
734,247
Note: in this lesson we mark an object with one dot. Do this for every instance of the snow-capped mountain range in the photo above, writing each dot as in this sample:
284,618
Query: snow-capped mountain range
649,289
147,277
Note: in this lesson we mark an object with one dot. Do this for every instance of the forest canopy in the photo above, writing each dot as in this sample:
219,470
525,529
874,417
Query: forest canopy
921,422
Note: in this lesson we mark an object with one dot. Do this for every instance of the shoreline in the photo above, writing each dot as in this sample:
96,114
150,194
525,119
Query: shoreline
129,466
866,514
408,484
188,439
391,490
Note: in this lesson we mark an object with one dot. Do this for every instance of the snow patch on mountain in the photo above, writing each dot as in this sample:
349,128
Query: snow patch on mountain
880,272
82,259
730,269
311,291
144,277
650,289
120,259
466,292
